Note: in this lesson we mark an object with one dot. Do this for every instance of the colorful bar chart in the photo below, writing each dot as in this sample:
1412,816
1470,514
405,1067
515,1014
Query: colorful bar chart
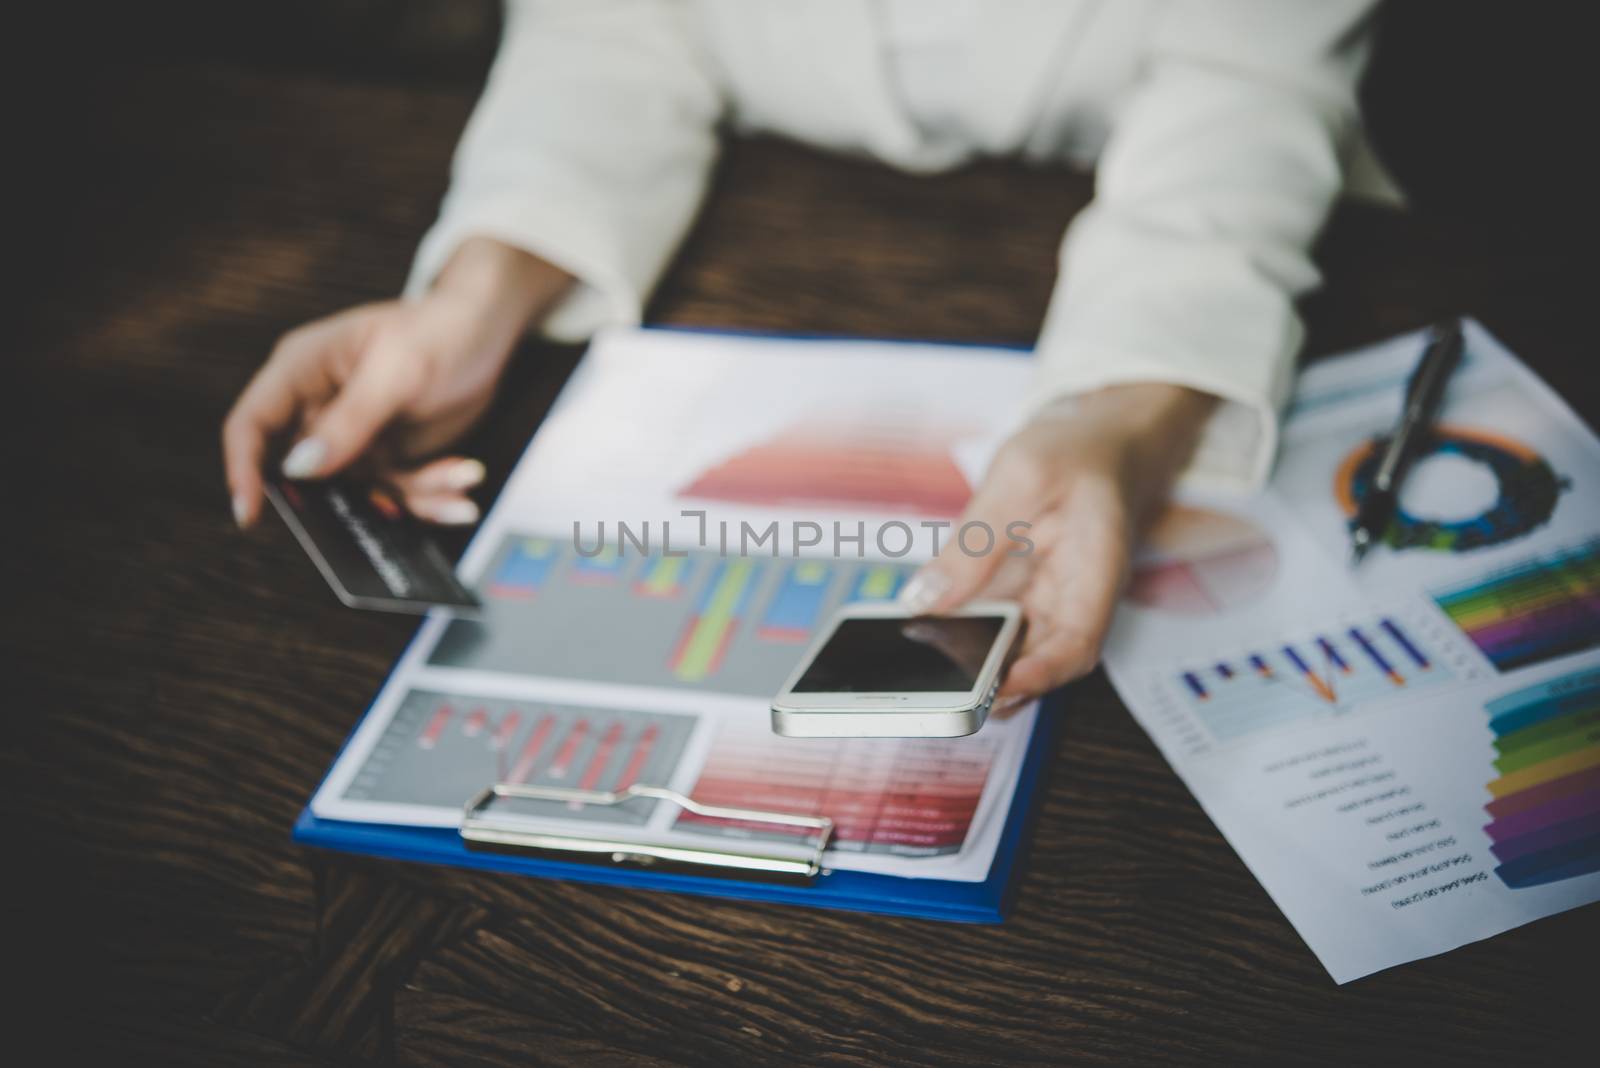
440,749
708,631
1321,674
1534,611
902,797
1545,812
726,623
523,569
796,608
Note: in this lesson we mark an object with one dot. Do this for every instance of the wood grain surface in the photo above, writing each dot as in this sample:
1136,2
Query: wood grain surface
175,690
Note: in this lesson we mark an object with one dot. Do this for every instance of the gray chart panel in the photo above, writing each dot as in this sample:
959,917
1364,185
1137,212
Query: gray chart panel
440,749
728,624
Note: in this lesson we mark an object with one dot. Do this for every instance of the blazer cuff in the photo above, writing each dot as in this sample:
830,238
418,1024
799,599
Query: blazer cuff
1240,440
558,231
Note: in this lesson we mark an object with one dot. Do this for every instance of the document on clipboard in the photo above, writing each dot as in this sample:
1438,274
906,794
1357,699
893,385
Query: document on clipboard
694,507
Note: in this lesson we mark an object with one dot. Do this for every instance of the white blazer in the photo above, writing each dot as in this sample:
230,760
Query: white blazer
1219,129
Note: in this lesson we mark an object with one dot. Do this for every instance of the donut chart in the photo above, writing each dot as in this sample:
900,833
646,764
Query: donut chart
1528,488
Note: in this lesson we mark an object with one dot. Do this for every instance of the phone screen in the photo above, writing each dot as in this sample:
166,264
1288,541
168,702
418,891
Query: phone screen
924,654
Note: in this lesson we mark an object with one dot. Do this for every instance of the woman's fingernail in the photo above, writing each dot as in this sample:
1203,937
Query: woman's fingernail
241,510
304,459
924,591
465,475
454,513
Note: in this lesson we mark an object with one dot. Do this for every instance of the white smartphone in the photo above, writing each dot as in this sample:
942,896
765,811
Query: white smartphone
876,671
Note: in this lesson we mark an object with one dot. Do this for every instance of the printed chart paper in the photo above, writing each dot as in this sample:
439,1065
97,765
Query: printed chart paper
1406,755
603,663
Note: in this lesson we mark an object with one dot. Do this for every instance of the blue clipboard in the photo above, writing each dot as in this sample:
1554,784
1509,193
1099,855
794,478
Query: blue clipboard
964,902
987,901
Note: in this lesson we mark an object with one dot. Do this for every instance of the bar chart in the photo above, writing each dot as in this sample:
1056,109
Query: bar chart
440,749
902,797
732,624
1544,607
1545,812
1316,675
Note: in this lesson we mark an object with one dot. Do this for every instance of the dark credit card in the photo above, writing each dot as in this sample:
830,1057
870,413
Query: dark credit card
372,552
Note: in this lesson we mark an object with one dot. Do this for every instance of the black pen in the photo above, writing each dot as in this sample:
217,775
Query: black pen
1423,393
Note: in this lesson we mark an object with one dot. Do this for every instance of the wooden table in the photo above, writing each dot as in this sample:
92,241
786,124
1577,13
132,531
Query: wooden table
176,690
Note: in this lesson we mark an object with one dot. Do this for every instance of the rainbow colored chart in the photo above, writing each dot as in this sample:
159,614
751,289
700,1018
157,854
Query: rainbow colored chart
1545,816
888,468
1533,611
1319,675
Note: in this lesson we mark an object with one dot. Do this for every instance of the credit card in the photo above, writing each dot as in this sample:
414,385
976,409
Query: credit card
373,552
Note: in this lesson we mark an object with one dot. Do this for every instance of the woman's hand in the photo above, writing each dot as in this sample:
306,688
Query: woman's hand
391,383
1088,474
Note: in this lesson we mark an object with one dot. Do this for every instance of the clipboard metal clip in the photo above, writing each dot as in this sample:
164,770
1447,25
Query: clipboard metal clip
481,830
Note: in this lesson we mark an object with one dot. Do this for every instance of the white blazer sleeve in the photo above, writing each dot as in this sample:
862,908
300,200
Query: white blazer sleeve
1222,163
591,148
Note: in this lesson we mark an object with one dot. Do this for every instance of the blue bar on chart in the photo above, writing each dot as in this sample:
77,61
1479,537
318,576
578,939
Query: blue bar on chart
1316,675
1376,657
601,569
793,612
1334,658
1392,629
1323,690
526,565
